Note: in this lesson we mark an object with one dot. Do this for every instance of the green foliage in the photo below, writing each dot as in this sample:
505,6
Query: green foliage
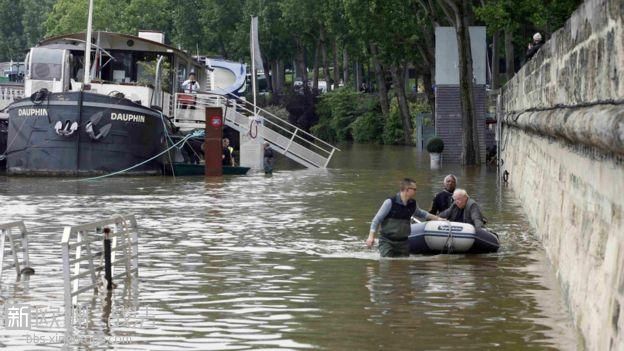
435,145
393,128
149,72
20,26
336,111
368,127
345,115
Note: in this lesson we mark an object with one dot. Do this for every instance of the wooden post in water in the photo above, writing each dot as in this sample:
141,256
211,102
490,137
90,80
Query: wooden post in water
213,151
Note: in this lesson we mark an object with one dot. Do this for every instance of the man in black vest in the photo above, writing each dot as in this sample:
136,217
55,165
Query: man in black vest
444,199
393,221
464,209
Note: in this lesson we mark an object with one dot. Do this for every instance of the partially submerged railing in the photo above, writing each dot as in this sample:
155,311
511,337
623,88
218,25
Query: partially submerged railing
124,242
285,137
17,236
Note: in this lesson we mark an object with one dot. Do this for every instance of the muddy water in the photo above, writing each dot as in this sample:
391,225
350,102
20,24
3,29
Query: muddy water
279,262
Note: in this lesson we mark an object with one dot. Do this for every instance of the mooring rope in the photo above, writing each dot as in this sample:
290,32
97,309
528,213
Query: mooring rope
448,245
188,136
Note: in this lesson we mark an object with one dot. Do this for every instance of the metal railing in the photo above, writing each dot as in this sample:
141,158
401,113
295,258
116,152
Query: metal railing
20,237
81,237
284,137
8,94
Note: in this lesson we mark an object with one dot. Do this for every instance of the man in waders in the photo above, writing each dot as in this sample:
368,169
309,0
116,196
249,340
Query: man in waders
393,221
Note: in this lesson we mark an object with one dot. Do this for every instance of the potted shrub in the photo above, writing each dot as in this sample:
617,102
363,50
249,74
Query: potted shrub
435,146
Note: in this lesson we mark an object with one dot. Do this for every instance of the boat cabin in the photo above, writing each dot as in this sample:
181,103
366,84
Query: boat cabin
142,68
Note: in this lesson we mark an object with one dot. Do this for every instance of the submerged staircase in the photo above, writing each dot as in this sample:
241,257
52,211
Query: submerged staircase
284,137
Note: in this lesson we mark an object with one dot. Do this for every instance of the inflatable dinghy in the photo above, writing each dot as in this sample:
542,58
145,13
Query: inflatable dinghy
436,237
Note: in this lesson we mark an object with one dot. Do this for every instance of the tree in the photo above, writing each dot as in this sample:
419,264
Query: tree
460,14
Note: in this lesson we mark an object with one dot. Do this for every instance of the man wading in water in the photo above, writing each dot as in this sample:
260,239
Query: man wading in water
393,221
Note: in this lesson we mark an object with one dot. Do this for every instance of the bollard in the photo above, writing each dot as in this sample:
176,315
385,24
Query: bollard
213,150
108,269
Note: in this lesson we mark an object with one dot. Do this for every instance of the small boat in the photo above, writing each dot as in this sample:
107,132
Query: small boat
190,169
436,237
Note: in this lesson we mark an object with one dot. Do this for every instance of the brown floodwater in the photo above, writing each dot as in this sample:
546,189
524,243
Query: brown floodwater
279,262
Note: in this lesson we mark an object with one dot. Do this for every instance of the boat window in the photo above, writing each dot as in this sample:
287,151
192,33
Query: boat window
47,64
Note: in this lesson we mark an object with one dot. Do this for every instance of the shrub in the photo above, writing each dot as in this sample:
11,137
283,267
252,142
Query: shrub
393,127
435,145
339,112
368,128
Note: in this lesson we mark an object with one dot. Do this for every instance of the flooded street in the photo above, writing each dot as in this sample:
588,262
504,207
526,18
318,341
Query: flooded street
279,262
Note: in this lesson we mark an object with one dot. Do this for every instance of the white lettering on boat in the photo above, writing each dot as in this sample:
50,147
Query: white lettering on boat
34,112
127,117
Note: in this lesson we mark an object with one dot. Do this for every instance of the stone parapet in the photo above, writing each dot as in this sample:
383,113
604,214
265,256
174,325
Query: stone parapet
583,62
563,148
599,126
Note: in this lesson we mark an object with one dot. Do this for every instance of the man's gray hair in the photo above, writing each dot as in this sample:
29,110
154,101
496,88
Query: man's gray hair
451,176
461,192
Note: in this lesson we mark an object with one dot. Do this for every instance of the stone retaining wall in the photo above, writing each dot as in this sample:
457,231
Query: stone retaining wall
563,146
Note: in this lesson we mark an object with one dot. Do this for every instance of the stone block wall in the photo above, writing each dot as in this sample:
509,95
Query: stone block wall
563,146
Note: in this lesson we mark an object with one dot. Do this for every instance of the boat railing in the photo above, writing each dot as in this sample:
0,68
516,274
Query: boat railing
239,114
10,93
80,249
17,236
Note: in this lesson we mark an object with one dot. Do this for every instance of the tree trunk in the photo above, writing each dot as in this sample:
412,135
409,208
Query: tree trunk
275,77
345,66
315,69
302,73
470,142
336,70
266,66
428,83
495,62
358,75
427,52
325,60
281,75
509,54
381,81
398,79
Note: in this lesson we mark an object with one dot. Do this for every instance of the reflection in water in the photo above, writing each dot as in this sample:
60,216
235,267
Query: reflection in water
280,263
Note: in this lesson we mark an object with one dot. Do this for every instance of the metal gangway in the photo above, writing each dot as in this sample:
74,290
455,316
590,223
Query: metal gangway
84,258
284,137
17,236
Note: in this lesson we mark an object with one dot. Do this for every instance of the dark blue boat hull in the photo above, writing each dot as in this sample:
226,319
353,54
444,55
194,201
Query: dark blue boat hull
135,134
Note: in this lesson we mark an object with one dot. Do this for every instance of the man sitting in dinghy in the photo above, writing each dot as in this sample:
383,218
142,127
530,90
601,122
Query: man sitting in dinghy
393,221
444,199
464,209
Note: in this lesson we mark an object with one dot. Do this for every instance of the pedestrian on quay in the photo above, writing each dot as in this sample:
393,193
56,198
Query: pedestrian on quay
393,221
534,46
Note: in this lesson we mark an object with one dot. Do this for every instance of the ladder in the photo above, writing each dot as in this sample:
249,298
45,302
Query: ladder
284,137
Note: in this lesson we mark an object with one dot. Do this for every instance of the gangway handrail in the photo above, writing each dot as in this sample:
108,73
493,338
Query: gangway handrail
79,236
294,132
242,103
293,135
235,97
6,230
288,138
297,129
